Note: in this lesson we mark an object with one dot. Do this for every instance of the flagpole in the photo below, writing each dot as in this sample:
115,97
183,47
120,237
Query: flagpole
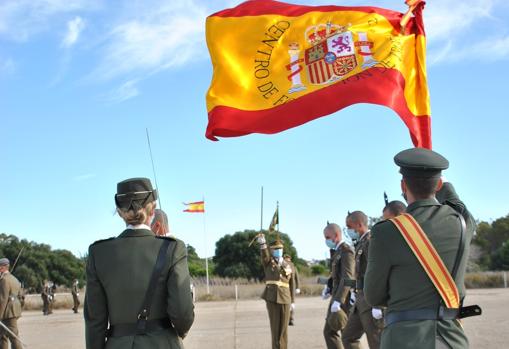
261,213
153,169
277,209
206,252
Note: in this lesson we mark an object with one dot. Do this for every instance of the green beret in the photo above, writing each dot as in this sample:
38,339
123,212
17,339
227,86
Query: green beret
420,162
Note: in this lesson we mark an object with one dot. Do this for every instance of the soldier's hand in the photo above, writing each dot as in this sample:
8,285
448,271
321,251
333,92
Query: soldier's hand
377,313
325,292
334,308
353,296
292,306
260,238
297,290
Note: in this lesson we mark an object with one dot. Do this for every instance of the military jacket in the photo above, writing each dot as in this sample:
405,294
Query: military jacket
342,270
361,259
277,273
75,290
10,292
118,274
394,277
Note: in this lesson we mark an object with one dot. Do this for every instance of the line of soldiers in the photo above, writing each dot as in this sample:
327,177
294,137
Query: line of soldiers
380,283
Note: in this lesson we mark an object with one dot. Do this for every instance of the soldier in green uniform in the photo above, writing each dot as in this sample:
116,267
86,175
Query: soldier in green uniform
45,298
137,283
10,307
75,291
279,291
363,318
342,270
296,283
416,317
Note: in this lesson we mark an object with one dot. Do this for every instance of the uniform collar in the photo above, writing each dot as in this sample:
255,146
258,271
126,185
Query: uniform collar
422,203
136,233
364,236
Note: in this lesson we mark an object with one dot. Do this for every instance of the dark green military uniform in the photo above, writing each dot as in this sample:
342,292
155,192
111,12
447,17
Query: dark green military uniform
296,284
361,320
278,294
342,269
118,275
396,279
10,309
45,299
75,291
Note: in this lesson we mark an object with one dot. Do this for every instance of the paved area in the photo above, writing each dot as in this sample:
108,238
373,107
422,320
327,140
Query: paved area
244,325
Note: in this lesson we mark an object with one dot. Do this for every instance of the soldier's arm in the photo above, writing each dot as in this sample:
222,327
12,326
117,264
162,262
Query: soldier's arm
347,273
180,300
447,195
265,254
377,273
95,308
297,279
292,285
4,296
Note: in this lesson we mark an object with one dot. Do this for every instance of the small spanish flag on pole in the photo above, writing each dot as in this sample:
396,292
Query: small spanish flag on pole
195,207
278,66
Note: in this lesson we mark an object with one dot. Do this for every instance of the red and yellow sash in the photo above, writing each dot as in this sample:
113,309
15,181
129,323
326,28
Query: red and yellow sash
428,258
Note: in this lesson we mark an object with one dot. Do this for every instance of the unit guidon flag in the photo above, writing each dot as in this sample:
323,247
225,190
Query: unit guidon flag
277,66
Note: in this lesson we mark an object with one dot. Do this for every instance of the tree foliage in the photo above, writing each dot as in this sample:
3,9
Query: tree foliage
38,263
236,259
493,238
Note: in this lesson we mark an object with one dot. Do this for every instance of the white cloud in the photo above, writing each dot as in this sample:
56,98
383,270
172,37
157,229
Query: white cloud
124,92
74,29
169,34
19,19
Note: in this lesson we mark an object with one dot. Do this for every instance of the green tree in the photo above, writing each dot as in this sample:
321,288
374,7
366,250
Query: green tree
500,259
236,259
491,237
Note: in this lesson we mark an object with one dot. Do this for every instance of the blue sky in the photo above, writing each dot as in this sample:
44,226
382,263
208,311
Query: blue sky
81,80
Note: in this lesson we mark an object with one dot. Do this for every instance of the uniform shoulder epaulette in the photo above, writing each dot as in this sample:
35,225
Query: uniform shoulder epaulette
102,240
347,248
171,238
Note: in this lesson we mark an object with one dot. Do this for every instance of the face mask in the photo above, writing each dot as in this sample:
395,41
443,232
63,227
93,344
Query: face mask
352,234
330,244
278,253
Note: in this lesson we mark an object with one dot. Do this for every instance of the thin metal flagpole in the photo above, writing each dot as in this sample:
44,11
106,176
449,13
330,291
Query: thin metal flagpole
261,213
154,170
206,250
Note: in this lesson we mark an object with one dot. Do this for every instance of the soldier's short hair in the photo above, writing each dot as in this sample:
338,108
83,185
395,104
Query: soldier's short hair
395,207
358,217
333,226
421,187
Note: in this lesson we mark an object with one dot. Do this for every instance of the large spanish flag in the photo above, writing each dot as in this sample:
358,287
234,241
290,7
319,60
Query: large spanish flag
278,66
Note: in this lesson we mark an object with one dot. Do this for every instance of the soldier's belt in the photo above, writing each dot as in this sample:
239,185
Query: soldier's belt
121,330
278,283
431,314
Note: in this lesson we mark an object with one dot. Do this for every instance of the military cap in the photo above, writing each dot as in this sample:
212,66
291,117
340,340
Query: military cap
134,193
420,162
277,243
4,262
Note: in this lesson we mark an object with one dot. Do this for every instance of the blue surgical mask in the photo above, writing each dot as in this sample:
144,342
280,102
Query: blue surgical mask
352,234
330,244
277,253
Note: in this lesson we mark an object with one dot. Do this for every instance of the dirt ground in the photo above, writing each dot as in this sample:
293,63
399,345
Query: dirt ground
244,325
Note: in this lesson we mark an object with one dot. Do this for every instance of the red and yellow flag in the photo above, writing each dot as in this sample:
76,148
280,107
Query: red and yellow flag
277,66
195,207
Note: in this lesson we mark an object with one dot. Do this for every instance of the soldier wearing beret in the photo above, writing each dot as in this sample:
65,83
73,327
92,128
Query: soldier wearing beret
416,317
137,283
342,272
279,293
363,318
10,307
